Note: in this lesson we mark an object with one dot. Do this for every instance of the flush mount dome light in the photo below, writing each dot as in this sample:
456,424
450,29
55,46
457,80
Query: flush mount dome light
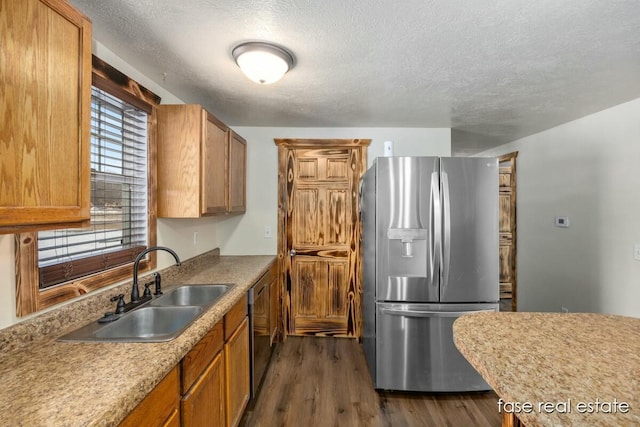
261,62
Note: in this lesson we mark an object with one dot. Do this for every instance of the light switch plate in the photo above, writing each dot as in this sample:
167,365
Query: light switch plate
267,232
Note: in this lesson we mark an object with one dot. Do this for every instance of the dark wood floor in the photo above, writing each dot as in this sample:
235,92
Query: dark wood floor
324,382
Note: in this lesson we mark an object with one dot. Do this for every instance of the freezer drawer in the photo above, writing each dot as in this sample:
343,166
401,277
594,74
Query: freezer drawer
415,349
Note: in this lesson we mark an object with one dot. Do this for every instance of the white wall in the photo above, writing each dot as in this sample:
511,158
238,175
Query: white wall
244,234
588,170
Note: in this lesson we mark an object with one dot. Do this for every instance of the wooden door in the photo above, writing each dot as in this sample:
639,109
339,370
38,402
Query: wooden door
508,229
319,235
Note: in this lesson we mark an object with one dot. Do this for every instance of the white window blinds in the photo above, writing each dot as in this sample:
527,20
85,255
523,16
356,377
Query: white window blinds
119,197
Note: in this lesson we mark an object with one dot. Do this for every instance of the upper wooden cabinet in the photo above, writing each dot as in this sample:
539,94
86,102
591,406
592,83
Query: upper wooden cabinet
45,76
201,164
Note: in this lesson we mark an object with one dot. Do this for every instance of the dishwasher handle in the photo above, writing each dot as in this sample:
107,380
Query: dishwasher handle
420,313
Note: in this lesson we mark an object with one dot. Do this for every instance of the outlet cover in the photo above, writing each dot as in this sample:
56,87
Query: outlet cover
562,221
636,251
267,232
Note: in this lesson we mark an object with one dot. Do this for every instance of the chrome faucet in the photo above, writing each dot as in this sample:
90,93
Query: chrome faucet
135,293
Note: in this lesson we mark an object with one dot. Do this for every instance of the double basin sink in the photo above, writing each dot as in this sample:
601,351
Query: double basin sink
161,319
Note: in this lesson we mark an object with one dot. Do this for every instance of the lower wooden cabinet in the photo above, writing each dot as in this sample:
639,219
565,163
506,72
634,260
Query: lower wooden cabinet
236,351
204,405
160,407
202,401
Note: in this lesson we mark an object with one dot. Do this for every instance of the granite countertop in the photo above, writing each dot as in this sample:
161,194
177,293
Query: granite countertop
573,369
44,382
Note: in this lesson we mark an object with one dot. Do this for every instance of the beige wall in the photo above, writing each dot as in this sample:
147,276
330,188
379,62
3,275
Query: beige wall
588,170
244,234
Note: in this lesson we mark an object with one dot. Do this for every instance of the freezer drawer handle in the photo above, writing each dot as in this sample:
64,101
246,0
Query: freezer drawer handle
414,313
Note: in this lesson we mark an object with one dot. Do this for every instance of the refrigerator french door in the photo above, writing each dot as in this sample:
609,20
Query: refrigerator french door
430,238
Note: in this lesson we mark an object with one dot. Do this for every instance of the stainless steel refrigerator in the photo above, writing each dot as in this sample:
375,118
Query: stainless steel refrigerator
430,255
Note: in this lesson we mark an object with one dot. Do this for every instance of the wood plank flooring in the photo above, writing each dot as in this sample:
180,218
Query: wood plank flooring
324,382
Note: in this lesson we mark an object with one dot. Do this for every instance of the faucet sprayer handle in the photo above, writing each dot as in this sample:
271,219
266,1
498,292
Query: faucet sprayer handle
158,280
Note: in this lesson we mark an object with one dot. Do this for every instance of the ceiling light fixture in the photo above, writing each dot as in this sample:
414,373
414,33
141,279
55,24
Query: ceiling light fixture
261,62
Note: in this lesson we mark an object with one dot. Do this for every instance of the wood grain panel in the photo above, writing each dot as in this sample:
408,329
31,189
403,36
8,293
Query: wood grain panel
201,355
180,130
214,179
235,316
338,224
306,301
45,107
306,218
236,351
204,404
505,179
308,169
237,173
336,291
505,223
337,168
506,272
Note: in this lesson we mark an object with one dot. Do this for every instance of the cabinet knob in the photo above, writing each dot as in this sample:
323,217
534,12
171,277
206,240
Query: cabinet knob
292,252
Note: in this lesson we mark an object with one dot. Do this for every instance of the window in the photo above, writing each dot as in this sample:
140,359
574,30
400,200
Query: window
57,265
118,230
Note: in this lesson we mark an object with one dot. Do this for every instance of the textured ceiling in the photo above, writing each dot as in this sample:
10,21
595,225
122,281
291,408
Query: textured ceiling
492,70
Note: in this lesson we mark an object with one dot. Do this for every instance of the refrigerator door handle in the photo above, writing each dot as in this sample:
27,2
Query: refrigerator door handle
434,232
446,230
416,313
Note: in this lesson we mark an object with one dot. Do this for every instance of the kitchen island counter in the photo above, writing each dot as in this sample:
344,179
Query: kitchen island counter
45,382
552,369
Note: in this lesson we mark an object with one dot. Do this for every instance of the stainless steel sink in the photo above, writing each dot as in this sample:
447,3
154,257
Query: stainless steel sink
162,319
202,295
150,324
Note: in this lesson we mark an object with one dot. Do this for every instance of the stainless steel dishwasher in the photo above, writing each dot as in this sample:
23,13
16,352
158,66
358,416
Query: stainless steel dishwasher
259,343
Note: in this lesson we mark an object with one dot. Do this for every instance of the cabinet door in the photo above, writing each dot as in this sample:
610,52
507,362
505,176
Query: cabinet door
236,351
204,405
237,173
45,76
180,132
158,407
214,166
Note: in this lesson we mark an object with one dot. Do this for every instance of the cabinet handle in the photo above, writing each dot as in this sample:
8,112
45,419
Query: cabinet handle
292,252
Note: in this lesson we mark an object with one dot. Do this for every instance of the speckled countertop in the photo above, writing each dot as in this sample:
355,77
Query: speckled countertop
44,382
556,362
